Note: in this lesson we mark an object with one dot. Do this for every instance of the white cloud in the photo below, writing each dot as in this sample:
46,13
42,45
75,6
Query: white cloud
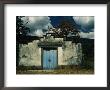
39,33
86,22
89,35
37,24
83,20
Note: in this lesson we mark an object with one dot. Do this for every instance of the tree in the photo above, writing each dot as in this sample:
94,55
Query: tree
21,29
67,27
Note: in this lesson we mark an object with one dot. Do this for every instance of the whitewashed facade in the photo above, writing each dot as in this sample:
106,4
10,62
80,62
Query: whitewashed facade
69,53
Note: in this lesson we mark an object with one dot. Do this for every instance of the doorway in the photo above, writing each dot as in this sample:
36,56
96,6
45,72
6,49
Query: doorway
49,58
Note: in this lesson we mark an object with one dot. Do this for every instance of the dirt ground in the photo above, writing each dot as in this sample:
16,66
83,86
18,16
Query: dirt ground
60,71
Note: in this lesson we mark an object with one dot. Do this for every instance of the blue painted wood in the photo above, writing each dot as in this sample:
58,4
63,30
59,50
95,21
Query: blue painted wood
49,59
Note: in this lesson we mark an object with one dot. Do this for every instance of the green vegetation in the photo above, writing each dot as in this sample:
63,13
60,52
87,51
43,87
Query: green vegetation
88,53
61,70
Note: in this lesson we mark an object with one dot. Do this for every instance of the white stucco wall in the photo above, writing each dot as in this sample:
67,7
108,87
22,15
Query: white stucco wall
60,56
69,53
72,53
30,54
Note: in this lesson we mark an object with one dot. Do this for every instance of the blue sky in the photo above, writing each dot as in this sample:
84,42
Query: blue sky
84,24
39,24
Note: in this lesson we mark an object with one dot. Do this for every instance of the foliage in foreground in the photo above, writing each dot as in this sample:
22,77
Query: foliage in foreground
66,70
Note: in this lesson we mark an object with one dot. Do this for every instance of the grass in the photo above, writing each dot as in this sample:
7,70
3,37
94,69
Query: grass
58,71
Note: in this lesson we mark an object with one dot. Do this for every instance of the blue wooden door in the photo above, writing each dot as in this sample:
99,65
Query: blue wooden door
49,59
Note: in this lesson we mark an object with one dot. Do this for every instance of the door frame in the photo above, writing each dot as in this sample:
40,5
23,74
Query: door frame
51,48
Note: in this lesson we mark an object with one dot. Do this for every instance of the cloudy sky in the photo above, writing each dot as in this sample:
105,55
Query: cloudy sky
40,24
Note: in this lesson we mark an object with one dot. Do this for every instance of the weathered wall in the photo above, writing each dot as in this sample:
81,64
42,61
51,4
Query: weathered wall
60,56
72,53
30,54
69,53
